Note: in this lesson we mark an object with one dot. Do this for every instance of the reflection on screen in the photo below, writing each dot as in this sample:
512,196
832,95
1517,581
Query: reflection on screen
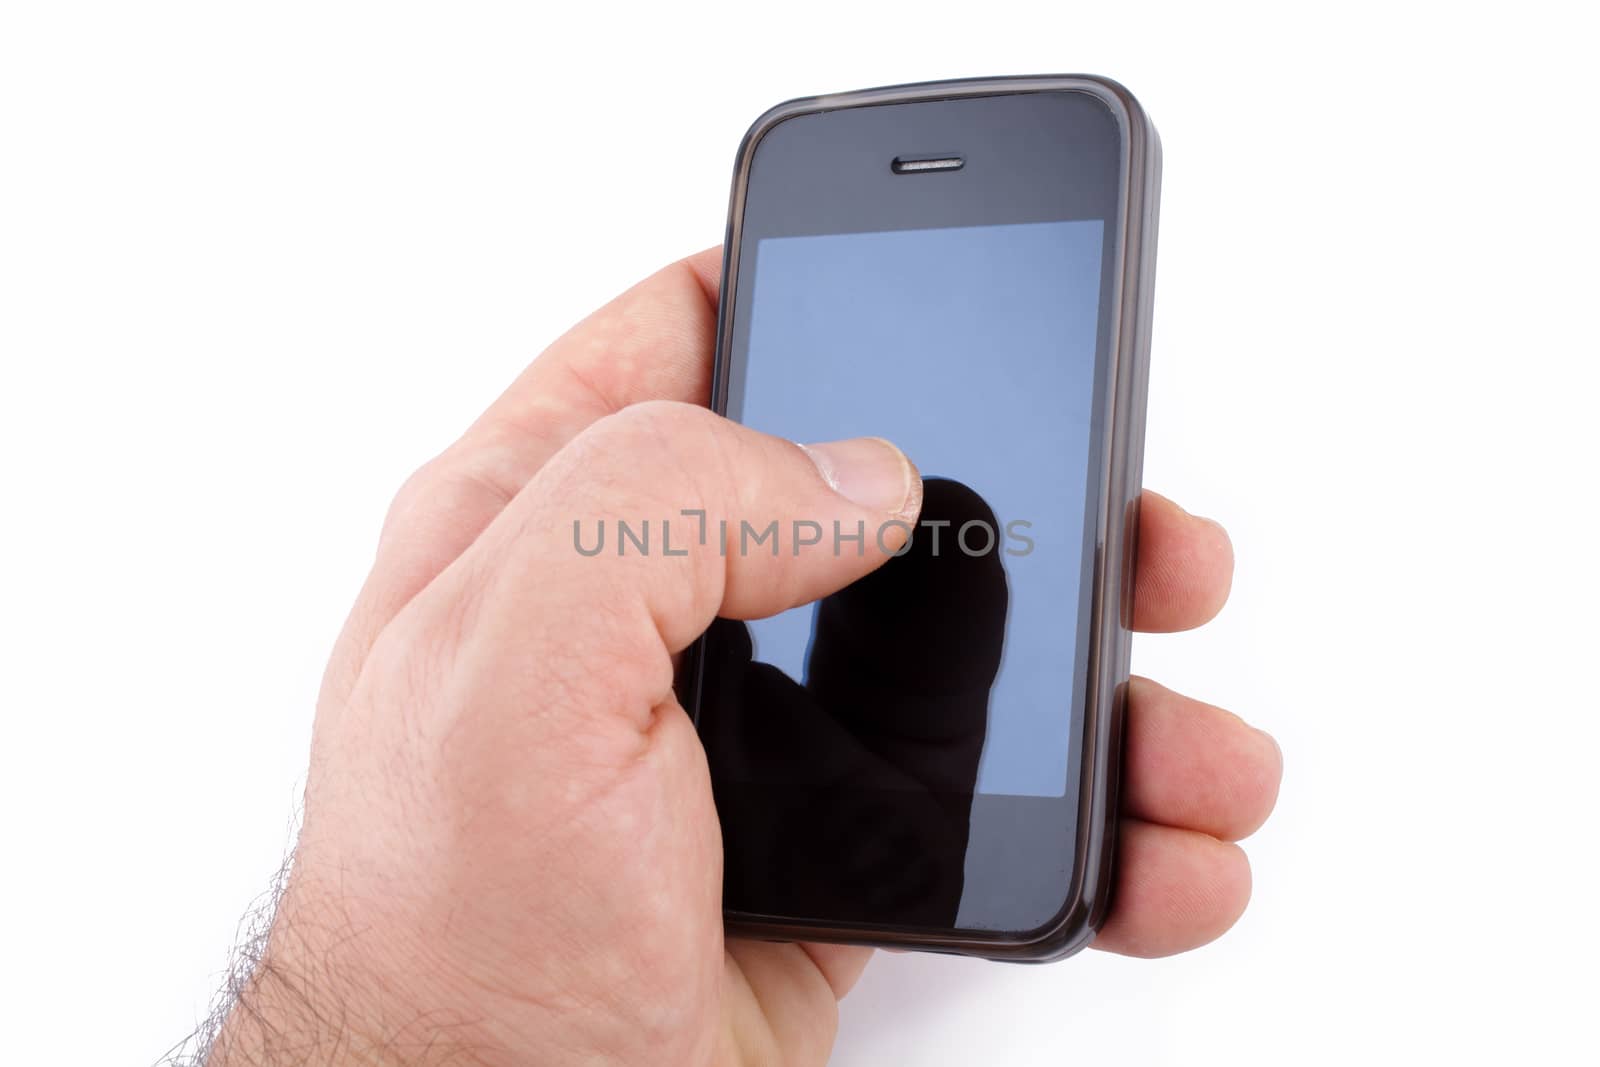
973,349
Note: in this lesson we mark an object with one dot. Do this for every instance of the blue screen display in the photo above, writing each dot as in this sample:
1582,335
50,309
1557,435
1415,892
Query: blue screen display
973,349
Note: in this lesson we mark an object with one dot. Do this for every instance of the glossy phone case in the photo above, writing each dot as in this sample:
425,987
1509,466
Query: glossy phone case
1119,480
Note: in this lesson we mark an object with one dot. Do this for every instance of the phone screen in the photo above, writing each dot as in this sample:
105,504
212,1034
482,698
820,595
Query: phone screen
973,349
903,751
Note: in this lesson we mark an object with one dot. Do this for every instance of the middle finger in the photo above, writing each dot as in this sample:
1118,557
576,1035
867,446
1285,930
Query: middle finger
1196,767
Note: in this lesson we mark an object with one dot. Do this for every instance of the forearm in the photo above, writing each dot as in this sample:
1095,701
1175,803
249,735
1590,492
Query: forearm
304,993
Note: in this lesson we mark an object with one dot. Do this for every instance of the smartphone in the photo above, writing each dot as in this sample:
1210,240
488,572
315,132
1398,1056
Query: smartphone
929,758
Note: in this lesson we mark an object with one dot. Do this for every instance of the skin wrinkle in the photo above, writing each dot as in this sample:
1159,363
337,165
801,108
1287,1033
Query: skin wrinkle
601,400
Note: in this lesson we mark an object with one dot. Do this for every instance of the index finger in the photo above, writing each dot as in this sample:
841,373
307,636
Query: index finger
654,342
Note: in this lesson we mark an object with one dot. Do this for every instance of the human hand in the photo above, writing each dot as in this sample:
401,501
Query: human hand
510,853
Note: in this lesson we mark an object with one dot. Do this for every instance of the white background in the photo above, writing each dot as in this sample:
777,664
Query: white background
258,263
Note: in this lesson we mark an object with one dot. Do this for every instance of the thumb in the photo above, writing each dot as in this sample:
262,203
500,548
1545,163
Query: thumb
513,793
644,528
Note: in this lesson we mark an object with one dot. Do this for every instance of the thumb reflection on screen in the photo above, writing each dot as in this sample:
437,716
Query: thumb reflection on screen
849,796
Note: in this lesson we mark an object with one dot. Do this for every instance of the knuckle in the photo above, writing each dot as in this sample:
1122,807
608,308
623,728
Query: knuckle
672,420
482,479
660,449
421,485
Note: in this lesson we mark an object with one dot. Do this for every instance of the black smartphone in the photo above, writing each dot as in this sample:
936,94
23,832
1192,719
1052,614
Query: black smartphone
929,758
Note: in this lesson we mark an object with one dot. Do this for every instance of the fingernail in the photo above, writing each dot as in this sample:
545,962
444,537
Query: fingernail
866,470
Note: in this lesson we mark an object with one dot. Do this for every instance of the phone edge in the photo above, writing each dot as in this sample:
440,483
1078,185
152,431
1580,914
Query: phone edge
1094,863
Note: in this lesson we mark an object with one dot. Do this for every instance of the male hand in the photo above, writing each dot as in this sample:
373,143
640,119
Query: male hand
510,853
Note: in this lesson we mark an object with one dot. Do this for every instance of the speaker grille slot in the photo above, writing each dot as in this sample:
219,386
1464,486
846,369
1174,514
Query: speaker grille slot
924,164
